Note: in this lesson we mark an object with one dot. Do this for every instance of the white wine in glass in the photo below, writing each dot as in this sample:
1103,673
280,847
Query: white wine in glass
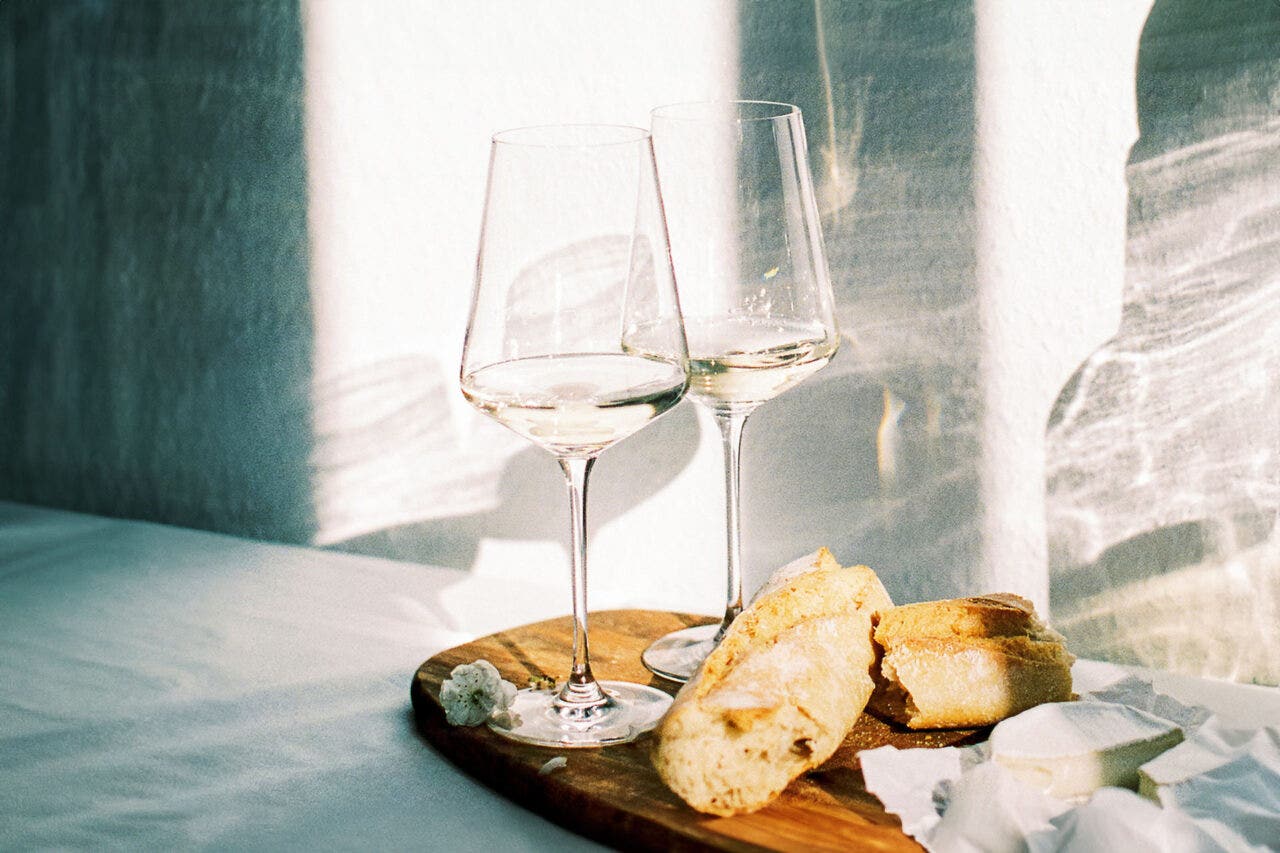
573,260
754,288
746,361
578,404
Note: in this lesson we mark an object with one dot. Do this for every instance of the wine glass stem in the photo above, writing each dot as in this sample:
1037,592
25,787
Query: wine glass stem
731,424
581,692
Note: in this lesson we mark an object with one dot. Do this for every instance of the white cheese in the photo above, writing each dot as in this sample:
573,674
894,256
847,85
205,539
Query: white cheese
1211,746
1070,749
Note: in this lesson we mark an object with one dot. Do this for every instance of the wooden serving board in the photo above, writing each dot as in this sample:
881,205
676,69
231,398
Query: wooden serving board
614,795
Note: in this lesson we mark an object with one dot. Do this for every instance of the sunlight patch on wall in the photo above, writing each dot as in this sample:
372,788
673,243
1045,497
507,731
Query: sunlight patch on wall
402,99
1164,476
1049,184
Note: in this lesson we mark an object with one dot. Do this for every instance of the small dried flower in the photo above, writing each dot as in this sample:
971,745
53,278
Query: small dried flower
473,692
542,682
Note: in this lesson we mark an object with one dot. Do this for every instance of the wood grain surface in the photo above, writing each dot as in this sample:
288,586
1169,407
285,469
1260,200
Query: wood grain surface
614,795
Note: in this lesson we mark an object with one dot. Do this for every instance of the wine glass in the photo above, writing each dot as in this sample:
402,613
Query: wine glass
754,289
573,259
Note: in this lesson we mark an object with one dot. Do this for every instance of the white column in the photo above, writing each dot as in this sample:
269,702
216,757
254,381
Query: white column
1055,118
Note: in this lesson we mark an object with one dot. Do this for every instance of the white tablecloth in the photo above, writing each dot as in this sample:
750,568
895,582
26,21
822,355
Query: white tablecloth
162,687
165,688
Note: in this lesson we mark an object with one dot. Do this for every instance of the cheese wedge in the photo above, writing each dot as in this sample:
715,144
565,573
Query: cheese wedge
1211,746
1070,749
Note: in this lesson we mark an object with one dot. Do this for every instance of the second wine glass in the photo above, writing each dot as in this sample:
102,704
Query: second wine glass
754,288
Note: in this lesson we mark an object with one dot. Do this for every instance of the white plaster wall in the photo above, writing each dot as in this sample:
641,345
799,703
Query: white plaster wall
402,99
1056,117
1162,471
218,318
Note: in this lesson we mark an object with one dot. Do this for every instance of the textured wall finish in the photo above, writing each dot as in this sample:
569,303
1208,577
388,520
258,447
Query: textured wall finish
876,456
156,338
402,99
1164,450
237,244
1055,120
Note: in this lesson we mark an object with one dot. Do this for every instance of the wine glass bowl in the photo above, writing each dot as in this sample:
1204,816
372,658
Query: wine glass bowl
573,261
576,404
754,288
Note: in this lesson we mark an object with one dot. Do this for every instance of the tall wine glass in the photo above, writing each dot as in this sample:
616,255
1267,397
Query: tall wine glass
573,258
754,287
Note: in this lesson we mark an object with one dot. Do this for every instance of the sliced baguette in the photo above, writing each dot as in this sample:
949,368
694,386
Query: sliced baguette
780,692
967,662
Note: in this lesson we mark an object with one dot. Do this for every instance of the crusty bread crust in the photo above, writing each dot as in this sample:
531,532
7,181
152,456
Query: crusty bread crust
780,692
1000,614
967,662
809,588
782,711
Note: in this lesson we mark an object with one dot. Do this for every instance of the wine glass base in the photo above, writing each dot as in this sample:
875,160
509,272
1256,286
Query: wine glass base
632,710
677,656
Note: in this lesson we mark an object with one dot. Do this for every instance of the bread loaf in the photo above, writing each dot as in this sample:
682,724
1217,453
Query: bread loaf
967,662
780,692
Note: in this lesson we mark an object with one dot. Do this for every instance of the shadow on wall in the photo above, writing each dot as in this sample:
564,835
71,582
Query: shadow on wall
530,502
395,476
1163,462
876,456
156,345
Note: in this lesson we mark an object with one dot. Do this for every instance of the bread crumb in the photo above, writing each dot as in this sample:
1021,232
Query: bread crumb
553,765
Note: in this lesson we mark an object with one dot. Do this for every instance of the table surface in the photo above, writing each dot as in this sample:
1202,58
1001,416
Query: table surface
164,687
